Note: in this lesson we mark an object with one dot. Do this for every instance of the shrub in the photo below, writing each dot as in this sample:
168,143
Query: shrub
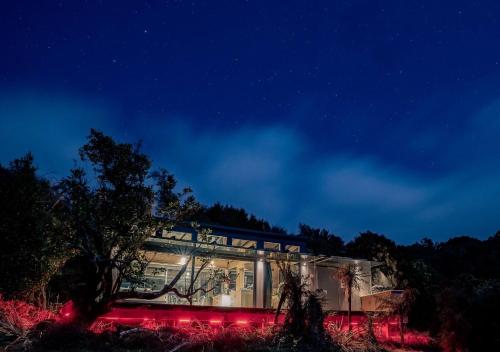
19,321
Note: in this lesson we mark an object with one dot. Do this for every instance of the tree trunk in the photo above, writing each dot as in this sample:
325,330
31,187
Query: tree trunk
349,294
401,330
280,306
94,293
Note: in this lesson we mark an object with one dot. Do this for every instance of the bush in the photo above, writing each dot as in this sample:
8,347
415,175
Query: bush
19,321
74,338
468,315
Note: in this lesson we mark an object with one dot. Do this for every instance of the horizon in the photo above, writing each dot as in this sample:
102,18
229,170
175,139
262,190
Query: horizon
341,115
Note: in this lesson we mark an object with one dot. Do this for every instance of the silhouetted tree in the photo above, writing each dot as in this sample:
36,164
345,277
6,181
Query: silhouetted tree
468,310
303,327
226,215
372,246
31,247
110,217
321,241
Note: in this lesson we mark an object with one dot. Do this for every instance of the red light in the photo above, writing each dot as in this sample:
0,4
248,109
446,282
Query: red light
184,320
215,322
241,322
67,314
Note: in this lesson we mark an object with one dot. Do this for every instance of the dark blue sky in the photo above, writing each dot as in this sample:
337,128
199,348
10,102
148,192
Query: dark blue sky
349,115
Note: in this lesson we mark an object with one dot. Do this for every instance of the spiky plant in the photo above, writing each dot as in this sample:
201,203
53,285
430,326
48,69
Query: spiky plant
350,278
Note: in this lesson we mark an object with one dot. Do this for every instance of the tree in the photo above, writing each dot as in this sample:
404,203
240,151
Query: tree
110,217
303,327
372,246
30,232
468,308
227,215
350,277
292,291
321,241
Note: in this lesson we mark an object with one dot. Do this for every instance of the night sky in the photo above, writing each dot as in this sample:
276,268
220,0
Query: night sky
349,115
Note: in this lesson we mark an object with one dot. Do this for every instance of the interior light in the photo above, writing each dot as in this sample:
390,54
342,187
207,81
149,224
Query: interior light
225,300
183,260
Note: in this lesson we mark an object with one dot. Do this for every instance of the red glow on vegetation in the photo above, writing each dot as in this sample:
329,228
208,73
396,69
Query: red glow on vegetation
67,311
21,315
194,318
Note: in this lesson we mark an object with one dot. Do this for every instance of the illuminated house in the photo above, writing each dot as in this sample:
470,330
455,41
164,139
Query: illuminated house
249,259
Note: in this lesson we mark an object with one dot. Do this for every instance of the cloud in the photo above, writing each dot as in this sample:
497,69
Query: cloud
275,171
272,171
51,126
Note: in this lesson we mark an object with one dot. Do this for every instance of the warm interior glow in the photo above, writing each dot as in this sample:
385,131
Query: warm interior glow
225,301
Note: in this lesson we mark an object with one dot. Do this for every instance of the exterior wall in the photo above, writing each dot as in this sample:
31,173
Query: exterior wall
254,254
380,301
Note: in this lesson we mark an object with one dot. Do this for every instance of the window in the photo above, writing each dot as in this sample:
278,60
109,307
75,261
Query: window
233,275
292,248
244,243
271,246
213,239
176,235
248,282
237,291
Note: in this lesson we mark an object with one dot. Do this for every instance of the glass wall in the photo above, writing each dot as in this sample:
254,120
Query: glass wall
274,282
162,272
217,282
236,289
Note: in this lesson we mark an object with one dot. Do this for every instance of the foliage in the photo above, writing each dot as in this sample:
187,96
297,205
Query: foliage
321,241
111,216
163,339
303,328
18,320
227,215
468,311
376,247
32,249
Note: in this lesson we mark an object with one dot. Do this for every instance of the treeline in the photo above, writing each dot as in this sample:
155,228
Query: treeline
227,215
61,240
